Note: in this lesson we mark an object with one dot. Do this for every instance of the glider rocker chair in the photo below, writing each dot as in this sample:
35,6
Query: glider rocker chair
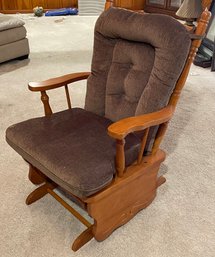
107,156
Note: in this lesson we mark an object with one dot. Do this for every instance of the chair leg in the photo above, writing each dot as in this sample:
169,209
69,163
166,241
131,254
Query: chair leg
39,193
83,238
35,176
160,181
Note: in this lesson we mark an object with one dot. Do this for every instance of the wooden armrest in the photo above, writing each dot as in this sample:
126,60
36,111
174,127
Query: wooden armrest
120,129
57,82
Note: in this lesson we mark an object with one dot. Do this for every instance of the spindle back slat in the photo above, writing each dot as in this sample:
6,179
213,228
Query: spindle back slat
68,97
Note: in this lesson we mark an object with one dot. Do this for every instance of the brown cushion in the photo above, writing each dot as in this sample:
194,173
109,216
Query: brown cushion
72,148
14,50
12,35
137,61
9,22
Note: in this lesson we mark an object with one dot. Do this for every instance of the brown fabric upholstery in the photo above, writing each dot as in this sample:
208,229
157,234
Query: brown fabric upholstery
13,41
137,61
72,148
12,35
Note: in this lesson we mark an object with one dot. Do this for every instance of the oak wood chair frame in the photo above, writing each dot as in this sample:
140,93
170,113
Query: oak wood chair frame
134,187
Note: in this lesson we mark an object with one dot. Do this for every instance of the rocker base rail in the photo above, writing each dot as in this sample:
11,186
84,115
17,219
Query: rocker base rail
48,188
70,208
87,234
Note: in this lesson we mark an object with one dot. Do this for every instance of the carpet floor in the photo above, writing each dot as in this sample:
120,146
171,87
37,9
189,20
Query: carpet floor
180,222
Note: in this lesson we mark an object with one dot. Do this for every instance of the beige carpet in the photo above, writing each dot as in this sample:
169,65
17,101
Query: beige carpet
181,220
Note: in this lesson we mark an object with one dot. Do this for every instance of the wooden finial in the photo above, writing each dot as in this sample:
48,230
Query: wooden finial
206,15
108,4
200,31
203,22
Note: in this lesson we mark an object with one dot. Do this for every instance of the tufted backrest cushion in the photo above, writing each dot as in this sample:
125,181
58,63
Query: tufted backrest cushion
137,61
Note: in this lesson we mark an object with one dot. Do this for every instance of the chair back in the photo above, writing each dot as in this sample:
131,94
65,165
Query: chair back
137,61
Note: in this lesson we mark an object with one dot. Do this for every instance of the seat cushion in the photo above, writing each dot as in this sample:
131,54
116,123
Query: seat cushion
9,22
12,35
72,148
14,50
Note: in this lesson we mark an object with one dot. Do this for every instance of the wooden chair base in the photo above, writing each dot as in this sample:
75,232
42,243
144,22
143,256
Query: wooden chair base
39,192
35,176
161,180
112,207
82,239
126,196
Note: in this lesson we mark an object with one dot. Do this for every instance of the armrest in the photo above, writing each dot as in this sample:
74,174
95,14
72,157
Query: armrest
120,129
57,82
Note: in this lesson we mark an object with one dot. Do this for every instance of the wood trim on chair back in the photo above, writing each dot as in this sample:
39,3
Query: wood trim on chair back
196,42
108,4
196,37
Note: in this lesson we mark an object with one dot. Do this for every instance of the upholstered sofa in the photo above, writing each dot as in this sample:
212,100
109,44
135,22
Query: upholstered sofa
13,41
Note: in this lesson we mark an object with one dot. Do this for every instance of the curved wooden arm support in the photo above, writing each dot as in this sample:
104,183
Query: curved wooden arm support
120,129
57,82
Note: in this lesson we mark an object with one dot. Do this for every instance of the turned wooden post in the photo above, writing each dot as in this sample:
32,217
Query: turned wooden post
200,31
45,100
120,157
